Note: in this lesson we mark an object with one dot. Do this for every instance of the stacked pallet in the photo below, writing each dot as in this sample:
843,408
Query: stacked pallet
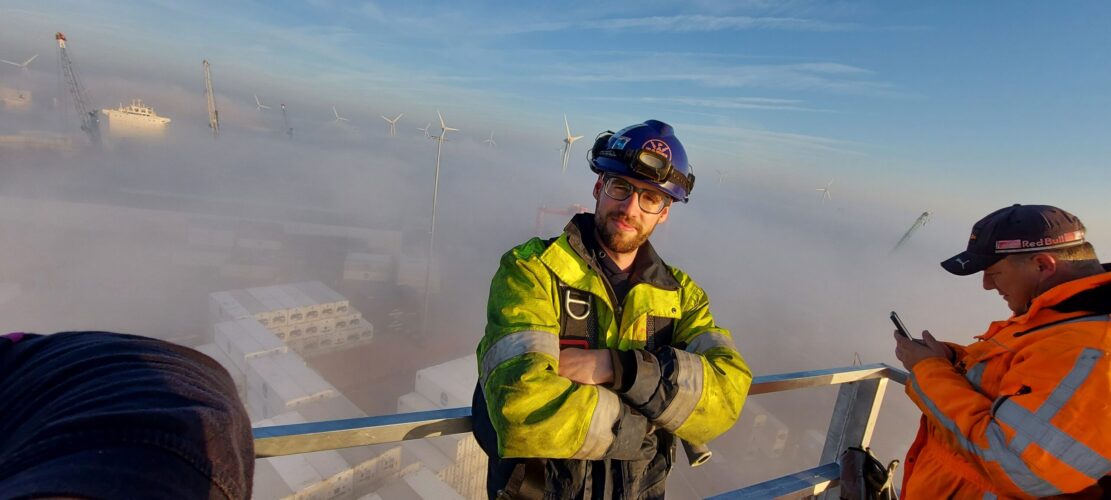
308,317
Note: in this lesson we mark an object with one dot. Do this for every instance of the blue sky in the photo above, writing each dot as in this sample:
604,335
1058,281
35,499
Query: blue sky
968,102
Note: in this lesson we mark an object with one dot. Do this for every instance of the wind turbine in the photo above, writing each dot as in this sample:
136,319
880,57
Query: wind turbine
567,142
444,129
721,175
338,117
490,141
825,192
260,106
424,130
393,124
21,66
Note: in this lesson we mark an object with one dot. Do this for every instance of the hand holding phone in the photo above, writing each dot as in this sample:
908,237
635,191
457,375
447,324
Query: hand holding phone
899,326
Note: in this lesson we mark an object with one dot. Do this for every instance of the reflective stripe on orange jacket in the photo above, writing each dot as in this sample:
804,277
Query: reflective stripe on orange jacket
1026,411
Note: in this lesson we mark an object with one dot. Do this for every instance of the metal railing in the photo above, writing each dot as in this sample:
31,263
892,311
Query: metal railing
853,421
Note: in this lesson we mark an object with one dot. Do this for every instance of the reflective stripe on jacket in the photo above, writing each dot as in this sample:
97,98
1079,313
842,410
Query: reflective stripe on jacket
1026,411
696,391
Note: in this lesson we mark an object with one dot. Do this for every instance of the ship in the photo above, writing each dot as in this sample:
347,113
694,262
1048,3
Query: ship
136,119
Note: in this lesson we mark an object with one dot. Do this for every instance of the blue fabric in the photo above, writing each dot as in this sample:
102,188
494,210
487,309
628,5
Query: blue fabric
106,415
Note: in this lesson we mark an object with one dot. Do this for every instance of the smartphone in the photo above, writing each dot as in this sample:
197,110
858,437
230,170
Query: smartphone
899,326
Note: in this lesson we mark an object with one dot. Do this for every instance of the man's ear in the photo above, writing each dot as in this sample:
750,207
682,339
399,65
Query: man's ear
1045,263
598,186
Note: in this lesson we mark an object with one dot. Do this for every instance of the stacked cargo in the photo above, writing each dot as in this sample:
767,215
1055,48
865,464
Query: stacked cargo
335,474
456,460
245,339
322,475
309,317
282,382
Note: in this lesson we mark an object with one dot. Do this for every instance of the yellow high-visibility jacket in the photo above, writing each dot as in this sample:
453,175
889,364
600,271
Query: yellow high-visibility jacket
693,389
1026,411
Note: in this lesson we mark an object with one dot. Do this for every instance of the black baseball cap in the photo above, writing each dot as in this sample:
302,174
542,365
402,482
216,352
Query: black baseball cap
1016,229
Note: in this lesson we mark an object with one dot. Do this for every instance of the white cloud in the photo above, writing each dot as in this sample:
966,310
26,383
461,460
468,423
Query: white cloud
684,24
720,102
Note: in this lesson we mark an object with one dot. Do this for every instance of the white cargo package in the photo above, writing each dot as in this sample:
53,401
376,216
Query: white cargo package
312,307
252,305
278,311
223,306
295,470
413,402
449,384
267,341
214,352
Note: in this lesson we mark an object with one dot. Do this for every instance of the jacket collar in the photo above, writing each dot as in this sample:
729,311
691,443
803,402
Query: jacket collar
1053,297
648,267
1091,294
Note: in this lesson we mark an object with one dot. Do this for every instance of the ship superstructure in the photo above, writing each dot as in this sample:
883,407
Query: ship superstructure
136,119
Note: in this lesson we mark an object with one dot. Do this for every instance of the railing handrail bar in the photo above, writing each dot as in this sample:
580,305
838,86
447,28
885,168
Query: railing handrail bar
326,435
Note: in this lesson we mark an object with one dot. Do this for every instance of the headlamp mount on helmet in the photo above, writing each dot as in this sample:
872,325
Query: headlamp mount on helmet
651,165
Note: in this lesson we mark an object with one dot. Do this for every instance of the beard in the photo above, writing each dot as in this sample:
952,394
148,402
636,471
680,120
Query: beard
616,240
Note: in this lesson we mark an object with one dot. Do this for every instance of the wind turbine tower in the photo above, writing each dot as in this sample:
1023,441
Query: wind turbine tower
213,114
567,142
285,120
89,121
444,129
393,124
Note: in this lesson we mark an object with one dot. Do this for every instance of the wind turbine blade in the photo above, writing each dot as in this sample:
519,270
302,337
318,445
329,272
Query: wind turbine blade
29,60
442,125
566,126
449,129
9,62
384,118
399,117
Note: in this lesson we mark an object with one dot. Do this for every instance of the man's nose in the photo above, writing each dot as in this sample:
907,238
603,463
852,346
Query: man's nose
989,284
631,205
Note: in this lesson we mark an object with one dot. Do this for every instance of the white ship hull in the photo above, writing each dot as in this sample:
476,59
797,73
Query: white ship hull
126,122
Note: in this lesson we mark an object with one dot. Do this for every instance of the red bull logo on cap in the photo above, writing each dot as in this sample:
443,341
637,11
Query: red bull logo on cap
1011,246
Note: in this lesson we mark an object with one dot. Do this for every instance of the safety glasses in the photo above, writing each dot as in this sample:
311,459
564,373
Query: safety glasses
650,200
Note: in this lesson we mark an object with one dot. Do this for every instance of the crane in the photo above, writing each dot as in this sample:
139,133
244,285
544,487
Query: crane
921,221
90,124
213,115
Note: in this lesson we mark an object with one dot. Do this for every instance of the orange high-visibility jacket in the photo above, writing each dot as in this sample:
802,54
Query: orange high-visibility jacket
1025,411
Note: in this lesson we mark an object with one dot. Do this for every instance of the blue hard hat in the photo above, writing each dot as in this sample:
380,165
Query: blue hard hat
646,151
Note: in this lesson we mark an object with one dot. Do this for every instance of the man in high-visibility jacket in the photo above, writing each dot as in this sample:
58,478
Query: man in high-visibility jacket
1025,411
597,355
